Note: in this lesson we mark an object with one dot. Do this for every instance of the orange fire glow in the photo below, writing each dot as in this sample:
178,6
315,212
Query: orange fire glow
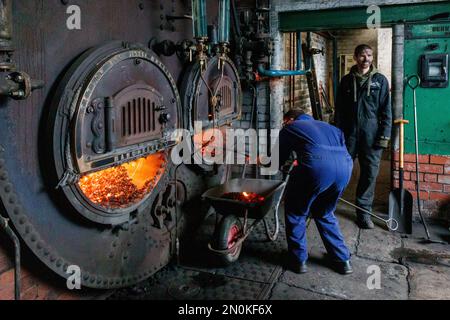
124,185
248,197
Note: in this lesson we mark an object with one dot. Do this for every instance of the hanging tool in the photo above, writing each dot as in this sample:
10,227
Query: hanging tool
414,86
4,225
391,223
311,78
401,200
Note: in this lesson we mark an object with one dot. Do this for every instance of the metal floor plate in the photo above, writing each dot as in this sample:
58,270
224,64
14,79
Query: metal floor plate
198,277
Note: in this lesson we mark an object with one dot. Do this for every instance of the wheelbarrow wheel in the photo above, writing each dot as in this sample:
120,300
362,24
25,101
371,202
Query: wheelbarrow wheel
227,233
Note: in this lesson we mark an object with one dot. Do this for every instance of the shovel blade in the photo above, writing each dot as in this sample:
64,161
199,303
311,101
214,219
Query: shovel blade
400,210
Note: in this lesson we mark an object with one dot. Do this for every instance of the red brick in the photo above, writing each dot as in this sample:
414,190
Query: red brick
409,166
406,175
447,169
430,177
413,176
5,262
423,158
423,195
30,293
44,291
7,285
408,185
69,296
431,186
447,188
440,159
427,168
444,179
439,196
6,278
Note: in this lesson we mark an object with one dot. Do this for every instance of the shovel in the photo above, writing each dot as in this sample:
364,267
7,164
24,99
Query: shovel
401,200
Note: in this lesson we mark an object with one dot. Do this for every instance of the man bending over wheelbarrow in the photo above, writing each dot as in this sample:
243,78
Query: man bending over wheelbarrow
315,186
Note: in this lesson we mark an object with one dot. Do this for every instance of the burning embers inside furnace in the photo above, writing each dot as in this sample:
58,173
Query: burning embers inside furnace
122,186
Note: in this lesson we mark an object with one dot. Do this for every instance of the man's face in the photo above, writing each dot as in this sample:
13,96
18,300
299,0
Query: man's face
364,59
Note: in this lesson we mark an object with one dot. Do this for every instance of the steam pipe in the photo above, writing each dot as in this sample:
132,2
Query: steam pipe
11,234
288,73
6,47
224,21
199,19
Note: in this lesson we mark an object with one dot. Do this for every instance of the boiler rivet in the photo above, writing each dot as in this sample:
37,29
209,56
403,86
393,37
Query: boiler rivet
8,189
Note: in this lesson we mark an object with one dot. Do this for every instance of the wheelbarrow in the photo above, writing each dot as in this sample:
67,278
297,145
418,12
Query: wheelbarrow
235,227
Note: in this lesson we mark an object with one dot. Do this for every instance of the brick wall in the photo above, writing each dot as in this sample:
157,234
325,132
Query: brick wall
299,85
37,282
434,178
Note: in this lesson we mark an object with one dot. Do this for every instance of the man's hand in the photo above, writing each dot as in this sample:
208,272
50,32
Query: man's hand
382,142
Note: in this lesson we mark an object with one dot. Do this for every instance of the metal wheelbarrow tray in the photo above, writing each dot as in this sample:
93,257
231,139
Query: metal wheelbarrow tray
271,190
230,232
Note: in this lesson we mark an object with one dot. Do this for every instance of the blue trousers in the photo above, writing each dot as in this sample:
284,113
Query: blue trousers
314,189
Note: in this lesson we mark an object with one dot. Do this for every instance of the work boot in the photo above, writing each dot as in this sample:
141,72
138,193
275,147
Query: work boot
295,265
298,267
343,267
364,222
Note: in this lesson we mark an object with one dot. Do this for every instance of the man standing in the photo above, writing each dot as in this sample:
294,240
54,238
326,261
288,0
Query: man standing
364,114
315,186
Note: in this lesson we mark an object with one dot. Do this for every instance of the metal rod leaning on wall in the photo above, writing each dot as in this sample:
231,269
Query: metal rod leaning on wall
4,225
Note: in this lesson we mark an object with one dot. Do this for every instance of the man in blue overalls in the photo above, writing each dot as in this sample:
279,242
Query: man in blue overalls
315,186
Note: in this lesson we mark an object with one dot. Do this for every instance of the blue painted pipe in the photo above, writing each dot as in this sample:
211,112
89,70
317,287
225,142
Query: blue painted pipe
287,73
281,73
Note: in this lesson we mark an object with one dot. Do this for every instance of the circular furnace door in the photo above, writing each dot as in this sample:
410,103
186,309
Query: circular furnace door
105,163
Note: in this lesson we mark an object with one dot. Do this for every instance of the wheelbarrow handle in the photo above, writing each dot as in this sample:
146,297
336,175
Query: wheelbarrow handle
291,167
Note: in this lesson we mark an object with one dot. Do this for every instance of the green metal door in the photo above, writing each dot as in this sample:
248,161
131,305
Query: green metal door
433,104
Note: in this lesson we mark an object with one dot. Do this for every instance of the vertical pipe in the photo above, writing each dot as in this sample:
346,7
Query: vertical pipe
224,21
336,79
12,235
6,46
5,24
398,38
199,19
299,51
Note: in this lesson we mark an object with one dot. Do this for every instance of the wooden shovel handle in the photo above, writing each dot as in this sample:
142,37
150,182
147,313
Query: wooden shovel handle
401,123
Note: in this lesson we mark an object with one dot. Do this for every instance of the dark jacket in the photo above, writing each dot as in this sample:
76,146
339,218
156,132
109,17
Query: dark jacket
364,115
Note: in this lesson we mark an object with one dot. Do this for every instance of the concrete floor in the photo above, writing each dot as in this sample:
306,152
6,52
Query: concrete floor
408,268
